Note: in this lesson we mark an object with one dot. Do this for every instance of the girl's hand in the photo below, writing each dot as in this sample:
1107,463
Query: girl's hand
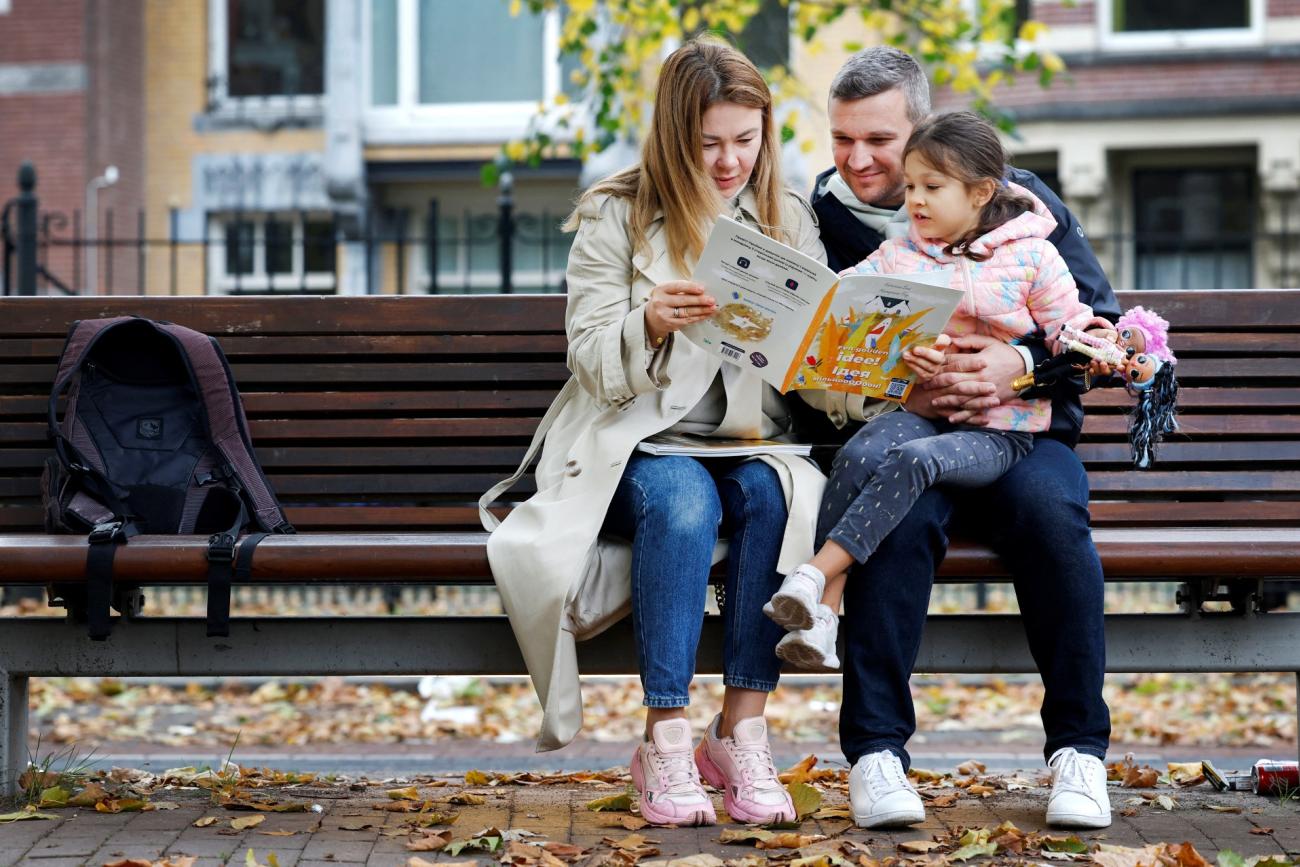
927,361
1097,367
674,305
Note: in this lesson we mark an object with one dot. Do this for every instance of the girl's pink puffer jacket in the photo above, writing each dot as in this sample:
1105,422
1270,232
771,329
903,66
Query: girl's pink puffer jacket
1023,289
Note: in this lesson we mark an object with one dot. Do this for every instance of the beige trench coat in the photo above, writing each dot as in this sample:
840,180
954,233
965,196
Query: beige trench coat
559,580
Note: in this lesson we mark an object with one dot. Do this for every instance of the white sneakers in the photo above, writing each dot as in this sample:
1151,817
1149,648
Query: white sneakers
880,793
794,606
813,647
1079,798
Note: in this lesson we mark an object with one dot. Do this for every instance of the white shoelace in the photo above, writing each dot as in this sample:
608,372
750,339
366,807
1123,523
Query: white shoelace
1071,776
755,761
676,772
884,776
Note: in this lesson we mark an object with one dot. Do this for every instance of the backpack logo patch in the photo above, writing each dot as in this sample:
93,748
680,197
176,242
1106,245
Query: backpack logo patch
149,428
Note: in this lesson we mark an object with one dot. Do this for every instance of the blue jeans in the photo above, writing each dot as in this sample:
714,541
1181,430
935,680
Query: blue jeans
673,509
1036,518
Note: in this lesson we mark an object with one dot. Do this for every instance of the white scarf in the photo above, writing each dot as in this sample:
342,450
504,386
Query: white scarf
888,222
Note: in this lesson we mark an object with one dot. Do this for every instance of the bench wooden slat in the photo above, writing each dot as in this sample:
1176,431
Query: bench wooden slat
453,557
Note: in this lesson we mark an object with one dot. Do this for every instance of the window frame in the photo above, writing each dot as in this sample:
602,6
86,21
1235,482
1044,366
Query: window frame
221,281
1174,39
411,122
250,107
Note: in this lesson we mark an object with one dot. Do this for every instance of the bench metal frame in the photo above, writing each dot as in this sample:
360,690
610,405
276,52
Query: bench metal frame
290,646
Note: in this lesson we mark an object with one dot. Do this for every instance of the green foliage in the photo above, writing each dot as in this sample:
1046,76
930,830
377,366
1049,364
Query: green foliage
618,44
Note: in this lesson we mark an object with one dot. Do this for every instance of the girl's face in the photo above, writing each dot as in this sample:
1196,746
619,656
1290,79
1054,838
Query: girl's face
732,136
941,207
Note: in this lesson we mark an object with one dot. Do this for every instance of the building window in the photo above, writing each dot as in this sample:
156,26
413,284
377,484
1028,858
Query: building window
426,82
1194,228
255,253
1144,24
266,56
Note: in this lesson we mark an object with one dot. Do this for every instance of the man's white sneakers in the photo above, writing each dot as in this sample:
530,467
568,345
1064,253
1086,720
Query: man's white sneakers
881,794
1079,798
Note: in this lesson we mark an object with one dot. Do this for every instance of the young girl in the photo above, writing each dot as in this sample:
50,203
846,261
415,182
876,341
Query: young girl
993,237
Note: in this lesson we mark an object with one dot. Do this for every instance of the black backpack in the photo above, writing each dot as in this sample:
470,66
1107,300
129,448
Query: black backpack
153,440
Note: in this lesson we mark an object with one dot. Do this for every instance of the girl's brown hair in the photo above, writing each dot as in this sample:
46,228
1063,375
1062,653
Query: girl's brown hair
965,146
670,177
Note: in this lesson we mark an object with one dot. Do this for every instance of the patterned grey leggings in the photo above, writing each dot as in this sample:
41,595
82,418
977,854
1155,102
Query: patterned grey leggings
892,460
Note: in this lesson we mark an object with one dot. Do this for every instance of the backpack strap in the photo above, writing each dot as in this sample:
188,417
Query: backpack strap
103,543
82,338
227,425
221,573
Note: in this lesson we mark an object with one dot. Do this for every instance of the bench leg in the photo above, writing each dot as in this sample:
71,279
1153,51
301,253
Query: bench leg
13,730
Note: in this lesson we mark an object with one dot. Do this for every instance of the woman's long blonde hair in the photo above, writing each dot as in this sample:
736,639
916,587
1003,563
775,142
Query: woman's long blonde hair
671,176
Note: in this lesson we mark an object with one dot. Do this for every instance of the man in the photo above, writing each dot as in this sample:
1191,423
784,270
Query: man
1036,516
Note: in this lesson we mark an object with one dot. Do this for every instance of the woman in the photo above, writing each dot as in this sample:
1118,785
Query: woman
609,526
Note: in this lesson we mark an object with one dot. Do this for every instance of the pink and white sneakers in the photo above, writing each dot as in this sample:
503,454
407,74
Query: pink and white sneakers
665,775
741,768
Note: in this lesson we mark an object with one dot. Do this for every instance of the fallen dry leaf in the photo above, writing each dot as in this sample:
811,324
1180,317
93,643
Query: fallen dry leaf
627,822
1125,856
799,771
970,768
280,833
789,841
429,842
942,801
621,801
245,822
1167,802
744,835
1186,773
465,799
206,821
918,847
805,798
355,825
414,861
1261,831
1222,808
410,793
477,778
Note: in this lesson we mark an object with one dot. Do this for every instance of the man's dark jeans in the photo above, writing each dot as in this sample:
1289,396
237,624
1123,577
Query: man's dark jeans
1036,518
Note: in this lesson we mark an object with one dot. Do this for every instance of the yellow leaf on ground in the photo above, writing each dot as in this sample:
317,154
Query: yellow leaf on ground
798,772
206,821
466,799
125,805
918,847
281,833
621,801
247,822
744,835
407,794
476,778
806,799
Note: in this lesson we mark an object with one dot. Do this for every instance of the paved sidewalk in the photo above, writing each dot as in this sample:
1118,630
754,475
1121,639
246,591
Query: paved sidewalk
348,830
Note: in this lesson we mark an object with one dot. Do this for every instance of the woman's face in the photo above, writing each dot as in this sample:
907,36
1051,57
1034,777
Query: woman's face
732,136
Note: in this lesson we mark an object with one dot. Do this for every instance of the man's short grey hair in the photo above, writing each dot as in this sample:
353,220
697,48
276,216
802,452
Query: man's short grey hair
876,70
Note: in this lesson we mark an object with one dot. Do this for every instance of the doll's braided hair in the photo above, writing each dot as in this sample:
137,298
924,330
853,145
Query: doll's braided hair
1153,416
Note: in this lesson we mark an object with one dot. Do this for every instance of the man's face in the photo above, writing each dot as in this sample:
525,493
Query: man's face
867,137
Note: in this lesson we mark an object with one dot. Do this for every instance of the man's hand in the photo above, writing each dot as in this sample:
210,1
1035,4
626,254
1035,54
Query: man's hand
975,378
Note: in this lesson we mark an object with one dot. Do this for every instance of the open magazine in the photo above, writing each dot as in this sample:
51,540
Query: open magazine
791,320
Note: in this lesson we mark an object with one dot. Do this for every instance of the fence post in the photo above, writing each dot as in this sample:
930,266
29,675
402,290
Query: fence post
506,231
26,229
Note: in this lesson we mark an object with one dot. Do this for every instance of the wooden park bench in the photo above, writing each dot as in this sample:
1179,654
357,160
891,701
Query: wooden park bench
380,420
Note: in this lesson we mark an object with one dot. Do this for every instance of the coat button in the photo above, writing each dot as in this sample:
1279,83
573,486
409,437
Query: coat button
837,418
572,468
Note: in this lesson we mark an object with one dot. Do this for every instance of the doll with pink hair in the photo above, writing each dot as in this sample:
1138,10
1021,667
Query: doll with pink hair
1138,351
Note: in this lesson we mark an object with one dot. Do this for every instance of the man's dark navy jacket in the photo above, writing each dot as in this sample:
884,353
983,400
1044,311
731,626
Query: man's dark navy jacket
848,242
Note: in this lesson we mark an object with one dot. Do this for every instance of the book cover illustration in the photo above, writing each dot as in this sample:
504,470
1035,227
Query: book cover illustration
858,343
